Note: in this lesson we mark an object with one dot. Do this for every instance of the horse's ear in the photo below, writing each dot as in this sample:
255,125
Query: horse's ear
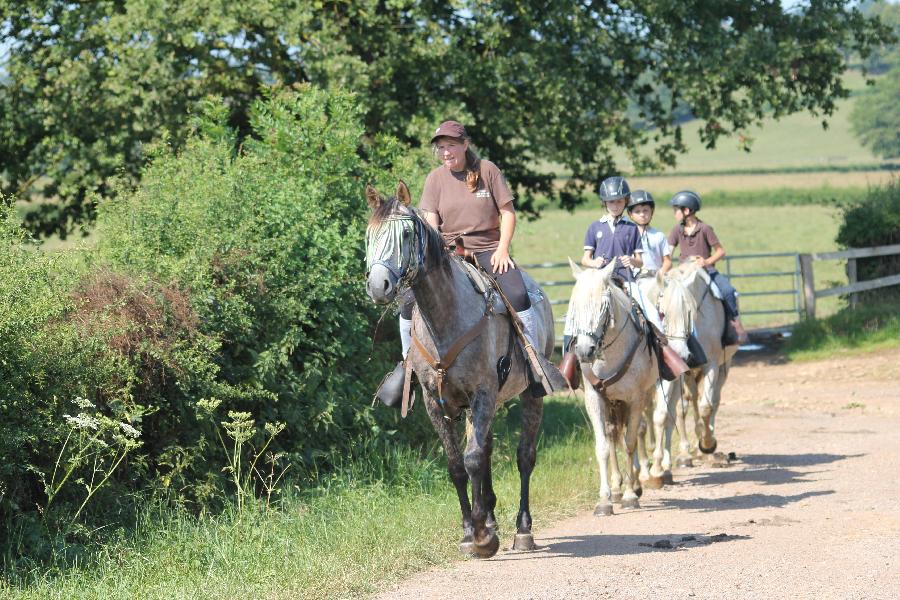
607,271
373,198
403,193
576,270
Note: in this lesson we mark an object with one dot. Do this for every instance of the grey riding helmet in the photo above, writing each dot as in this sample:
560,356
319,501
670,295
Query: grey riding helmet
613,188
641,197
686,199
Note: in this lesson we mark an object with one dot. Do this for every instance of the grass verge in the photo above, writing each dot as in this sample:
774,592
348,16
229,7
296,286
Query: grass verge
866,328
366,525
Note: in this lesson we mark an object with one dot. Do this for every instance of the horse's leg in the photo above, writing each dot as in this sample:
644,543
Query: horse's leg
706,438
665,393
693,398
679,400
632,484
526,456
615,437
597,410
643,459
477,461
490,498
447,433
644,432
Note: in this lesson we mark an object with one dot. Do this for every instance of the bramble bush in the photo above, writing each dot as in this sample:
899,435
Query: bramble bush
228,287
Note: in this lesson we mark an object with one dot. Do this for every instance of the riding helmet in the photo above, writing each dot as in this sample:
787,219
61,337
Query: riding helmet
641,197
686,199
614,188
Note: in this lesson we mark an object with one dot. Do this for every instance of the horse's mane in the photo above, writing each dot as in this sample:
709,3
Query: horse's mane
677,301
590,299
434,243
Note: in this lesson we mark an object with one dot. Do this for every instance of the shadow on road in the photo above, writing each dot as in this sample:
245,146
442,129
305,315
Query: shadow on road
795,460
586,546
764,475
739,502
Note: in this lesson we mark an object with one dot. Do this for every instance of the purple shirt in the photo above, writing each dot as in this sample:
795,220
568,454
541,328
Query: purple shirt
602,239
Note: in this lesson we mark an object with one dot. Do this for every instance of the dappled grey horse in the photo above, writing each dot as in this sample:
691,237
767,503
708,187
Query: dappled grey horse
452,304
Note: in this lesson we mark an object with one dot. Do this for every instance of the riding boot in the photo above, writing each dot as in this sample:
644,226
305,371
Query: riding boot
742,337
528,318
569,364
734,333
390,390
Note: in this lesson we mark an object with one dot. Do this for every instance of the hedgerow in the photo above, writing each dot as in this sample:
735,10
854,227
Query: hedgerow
222,306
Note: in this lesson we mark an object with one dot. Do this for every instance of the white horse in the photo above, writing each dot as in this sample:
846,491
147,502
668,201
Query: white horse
617,369
688,303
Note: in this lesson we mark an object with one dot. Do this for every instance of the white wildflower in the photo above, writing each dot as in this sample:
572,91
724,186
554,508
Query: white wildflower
129,430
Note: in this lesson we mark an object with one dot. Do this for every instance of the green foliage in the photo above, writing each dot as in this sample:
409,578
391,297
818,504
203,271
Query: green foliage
874,220
91,83
876,116
887,56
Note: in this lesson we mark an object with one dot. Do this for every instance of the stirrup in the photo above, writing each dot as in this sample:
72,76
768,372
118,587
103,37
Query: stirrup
390,390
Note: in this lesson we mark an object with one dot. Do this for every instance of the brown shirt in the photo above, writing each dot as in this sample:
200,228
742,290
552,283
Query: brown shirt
699,243
473,216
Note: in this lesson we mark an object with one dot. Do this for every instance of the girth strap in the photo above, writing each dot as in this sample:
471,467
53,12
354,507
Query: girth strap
441,364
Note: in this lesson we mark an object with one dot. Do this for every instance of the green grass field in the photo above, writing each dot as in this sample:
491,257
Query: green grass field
742,230
798,140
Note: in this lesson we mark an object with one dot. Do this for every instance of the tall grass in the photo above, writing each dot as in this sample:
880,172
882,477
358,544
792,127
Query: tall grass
369,522
865,328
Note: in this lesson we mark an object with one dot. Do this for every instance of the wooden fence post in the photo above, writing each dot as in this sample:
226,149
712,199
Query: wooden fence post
809,286
851,277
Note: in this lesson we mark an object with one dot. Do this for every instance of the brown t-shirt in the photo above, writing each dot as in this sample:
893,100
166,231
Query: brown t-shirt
474,216
699,243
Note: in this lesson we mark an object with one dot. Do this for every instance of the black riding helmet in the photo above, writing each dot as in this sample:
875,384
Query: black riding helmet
686,199
613,188
641,197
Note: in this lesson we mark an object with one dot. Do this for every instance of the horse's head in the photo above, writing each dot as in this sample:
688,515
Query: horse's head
393,245
679,306
590,310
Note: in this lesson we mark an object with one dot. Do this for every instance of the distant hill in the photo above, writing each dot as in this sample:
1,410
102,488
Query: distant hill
794,142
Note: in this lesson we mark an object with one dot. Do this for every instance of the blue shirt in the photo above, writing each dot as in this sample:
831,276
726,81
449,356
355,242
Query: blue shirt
610,239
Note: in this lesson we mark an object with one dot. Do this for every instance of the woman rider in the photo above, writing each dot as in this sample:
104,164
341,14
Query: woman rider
468,200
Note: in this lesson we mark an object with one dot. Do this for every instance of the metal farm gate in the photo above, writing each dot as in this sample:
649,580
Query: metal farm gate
770,287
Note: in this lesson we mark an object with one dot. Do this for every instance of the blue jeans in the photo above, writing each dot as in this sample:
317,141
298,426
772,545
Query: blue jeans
729,294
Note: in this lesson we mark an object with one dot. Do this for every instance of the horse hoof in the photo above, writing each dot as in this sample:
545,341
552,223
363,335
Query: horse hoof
654,483
616,496
629,503
467,546
489,548
684,462
603,510
667,478
709,450
524,542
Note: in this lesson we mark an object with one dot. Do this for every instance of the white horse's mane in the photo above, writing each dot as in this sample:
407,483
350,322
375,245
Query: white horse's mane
677,301
590,301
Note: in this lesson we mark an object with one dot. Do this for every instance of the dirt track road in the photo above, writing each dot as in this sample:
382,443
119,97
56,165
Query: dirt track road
810,509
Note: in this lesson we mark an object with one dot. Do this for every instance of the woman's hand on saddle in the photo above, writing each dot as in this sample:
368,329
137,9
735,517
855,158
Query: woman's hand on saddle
626,261
501,262
699,261
599,262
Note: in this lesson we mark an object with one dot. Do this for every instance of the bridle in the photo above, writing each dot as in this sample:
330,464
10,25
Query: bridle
410,264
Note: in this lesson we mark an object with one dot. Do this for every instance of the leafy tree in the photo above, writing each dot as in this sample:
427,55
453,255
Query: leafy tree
883,58
541,83
876,116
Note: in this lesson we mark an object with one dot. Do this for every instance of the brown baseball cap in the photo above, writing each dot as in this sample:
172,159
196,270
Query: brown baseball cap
452,129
